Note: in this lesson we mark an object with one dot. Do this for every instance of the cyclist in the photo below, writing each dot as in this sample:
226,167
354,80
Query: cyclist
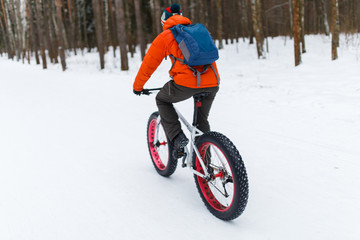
183,83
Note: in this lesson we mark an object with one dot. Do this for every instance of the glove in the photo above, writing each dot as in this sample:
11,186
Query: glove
137,92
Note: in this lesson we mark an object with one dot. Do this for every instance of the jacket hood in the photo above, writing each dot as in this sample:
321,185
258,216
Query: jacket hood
175,20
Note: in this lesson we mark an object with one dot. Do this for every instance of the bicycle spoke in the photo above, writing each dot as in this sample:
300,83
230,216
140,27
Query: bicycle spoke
225,194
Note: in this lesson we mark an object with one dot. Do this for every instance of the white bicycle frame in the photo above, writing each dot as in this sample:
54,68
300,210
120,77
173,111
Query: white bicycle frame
194,132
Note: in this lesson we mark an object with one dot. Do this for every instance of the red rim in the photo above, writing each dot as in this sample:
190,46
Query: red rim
153,149
204,185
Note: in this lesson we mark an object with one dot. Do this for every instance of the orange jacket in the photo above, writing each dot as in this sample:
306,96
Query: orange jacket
165,45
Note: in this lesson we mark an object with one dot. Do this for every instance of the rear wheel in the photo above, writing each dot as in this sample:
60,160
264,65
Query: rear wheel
226,192
160,151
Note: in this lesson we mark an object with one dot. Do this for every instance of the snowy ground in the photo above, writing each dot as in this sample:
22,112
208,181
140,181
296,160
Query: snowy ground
74,162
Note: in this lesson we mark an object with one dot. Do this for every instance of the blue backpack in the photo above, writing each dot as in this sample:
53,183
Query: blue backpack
197,47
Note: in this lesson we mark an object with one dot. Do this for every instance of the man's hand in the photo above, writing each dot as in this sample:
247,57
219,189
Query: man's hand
137,92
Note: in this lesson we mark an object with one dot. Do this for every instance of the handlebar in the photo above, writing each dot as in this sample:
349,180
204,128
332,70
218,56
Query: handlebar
149,91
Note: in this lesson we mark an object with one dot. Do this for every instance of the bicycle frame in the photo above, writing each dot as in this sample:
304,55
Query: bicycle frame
218,162
187,159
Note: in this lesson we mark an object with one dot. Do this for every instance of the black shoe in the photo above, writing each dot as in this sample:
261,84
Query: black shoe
179,142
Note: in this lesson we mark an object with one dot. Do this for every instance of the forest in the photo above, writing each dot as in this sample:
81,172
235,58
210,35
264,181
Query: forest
46,31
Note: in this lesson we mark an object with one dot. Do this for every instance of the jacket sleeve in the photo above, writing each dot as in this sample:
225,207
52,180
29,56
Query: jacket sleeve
152,60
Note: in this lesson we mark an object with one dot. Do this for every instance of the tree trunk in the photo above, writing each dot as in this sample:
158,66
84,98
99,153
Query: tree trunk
157,17
34,43
112,31
39,23
8,25
296,29
105,12
219,23
245,23
140,35
52,29
326,23
20,29
4,29
86,41
13,29
60,27
129,5
302,26
335,28
200,8
257,26
226,23
99,32
47,31
72,25
120,18
291,18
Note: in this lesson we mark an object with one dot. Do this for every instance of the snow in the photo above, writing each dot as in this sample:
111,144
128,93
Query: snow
74,162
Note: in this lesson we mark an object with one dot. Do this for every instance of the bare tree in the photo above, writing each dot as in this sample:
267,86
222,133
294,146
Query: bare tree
296,30
157,15
99,32
120,18
47,31
140,35
112,31
244,19
291,17
257,26
335,28
60,27
219,31
4,28
72,25
302,26
85,42
39,23
8,24
20,32
32,30
14,28
326,23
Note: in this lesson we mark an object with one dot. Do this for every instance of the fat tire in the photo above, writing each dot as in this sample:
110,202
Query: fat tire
171,162
240,179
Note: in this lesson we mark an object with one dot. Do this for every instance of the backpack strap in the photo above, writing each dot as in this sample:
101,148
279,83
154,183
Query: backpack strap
175,58
196,72
217,76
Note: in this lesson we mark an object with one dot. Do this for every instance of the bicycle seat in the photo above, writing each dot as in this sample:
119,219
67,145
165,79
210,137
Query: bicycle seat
201,95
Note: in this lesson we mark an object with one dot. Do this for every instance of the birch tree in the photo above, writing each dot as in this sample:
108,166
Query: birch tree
257,26
326,23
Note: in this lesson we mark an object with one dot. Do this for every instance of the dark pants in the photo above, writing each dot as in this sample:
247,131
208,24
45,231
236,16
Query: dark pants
173,93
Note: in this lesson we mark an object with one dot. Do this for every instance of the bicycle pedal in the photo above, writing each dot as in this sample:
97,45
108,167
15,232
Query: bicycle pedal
183,161
180,154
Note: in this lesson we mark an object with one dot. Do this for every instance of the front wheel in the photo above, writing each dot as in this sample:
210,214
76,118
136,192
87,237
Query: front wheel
226,192
160,151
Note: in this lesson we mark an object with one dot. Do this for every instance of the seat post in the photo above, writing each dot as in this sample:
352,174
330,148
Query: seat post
197,104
